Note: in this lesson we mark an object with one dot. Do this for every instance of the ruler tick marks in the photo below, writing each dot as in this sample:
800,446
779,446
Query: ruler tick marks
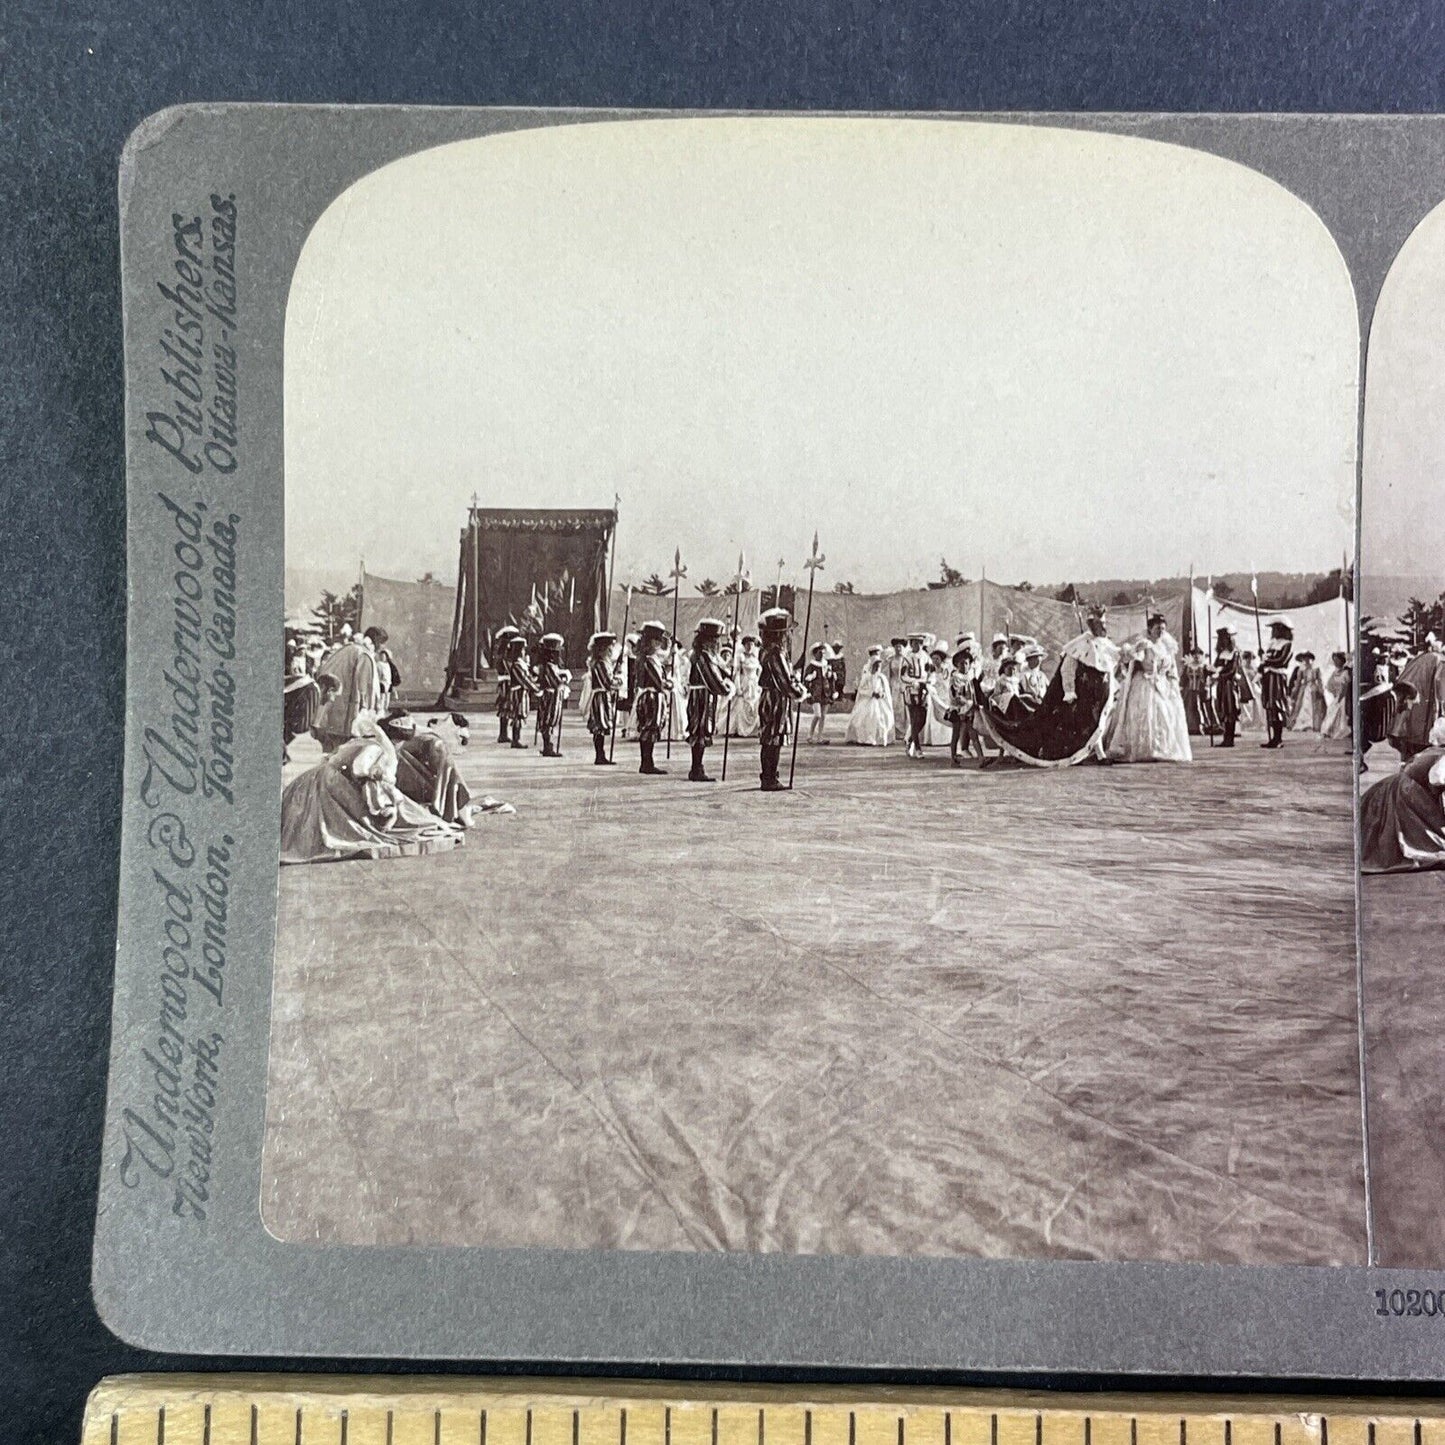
114,1428
482,1428
852,1429
807,1427
760,1427
298,1425
1324,1431
993,1430
948,1427
576,1428
206,1426
345,1421
1038,1429
436,1429
389,1424
714,1427
900,1430
529,1425
1089,1430
622,1429
253,1425
667,1426
1184,1438
161,1426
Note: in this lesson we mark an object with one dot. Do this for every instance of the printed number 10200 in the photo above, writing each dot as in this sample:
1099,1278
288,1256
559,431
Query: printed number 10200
1409,1302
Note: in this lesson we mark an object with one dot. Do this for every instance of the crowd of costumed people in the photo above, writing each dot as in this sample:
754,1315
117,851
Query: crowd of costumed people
388,783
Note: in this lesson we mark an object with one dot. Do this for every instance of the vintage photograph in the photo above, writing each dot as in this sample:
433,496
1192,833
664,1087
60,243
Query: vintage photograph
1402,742
818,694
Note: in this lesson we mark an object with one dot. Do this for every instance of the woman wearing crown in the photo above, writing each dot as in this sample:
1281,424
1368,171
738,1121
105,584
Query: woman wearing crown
1150,725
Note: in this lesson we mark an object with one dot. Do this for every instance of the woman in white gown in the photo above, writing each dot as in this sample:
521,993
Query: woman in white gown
1308,702
938,730
871,722
747,674
1149,724
681,673
1251,709
1340,687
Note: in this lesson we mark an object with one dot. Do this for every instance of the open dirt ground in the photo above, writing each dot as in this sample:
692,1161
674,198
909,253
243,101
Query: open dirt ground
1107,1012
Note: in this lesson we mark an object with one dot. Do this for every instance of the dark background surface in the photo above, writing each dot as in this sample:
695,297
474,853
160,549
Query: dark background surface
74,80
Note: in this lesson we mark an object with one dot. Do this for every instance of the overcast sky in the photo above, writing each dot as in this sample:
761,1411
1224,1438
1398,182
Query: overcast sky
1057,355
1403,525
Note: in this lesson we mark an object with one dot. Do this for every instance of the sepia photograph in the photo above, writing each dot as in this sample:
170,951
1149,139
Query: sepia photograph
1402,745
818,704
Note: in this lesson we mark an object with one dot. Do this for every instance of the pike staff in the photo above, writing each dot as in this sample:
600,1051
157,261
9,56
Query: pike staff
617,707
1258,631
814,565
737,612
1209,653
677,574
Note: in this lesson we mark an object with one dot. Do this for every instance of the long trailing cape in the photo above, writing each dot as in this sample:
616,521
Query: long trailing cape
1055,734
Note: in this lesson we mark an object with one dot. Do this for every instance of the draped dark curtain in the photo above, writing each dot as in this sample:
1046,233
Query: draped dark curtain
542,571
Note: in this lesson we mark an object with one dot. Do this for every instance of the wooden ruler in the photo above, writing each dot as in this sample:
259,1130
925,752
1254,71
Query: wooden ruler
347,1410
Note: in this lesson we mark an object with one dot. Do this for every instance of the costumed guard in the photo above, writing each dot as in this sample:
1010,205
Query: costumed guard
1274,670
818,679
707,681
780,689
554,683
501,640
1194,688
1229,684
521,688
963,701
604,681
915,692
652,694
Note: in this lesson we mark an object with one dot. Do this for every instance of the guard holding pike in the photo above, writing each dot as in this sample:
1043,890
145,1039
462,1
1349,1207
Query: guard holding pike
707,681
781,690
521,687
501,638
653,691
554,683
604,681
